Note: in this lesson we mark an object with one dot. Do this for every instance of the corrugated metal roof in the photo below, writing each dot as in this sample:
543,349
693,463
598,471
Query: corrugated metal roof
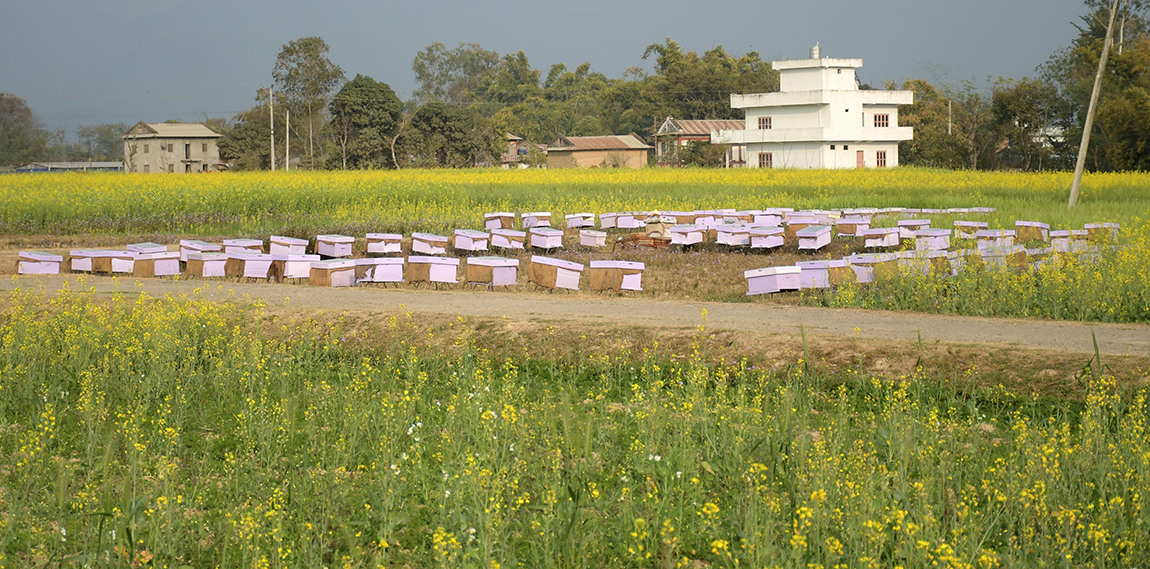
625,142
171,130
71,166
673,126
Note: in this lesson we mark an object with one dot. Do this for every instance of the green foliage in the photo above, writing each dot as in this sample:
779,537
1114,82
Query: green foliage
454,75
22,137
364,118
700,153
306,78
444,136
102,141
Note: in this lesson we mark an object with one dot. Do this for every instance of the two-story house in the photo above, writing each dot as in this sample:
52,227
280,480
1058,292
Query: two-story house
171,147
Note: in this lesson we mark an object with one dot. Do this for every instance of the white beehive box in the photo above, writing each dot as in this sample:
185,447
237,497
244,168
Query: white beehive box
545,237
554,273
767,237
870,267
821,216
206,265
1069,241
630,220
877,237
814,237
332,273
1013,256
907,227
708,218
1102,232
85,260
384,243
334,245
379,270
1027,231
293,266
616,275
156,264
592,238
852,225
428,243
607,220
281,245
981,210
508,238
536,219
498,220
36,263
686,234
967,229
243,246
814,274
249,265
932,239
432,269
772,279
193,246
579,220
148,248
492,271
994,238
471,240
733,235
681,217
768,217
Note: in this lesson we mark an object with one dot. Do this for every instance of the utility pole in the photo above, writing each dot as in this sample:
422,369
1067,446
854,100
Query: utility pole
1077,183
287,140
949,104
272,116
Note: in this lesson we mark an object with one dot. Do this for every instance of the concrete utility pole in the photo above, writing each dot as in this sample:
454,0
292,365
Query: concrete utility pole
272,116
287,140
1077,183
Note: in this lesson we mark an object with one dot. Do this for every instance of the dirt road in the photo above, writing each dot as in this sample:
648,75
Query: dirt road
1067,337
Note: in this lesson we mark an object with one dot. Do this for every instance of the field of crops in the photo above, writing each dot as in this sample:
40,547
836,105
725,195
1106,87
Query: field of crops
174,432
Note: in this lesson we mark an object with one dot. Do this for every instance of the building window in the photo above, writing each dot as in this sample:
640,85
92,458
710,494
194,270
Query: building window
204,147
832,147
764,123
845,147
765,160
880,158
146,169
145,149
881,120
171,147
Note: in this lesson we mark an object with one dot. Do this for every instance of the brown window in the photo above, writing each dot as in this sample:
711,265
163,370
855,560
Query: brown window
205,148
145,149
171,147
881,120
171,167
880,158
146,169
765,160
764,123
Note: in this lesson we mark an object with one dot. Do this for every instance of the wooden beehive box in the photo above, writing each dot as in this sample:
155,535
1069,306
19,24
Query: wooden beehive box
334,246
879,237
545,238
968,229
814,237
332,273
492,271
1102,232
508,238
36,263
292,266
1012,257
428,243
851,226
536,219
188,246
616,275
249,265
686,234
922,262
839,272
1069,241
243,246
744,217
707,219
733,235
379,270
1029,231
907,227
113,262
766,237
681,217
554,273
432,269
149,248
821,216
580,220
871,267
206,265
280,245
994,238
981,210
592,238
156,264
768,218
384,243
932,239
498,220
607,220
772,279
471,240
814,274
80,260
797,222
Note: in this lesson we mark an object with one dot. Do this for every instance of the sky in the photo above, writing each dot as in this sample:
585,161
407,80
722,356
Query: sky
80,63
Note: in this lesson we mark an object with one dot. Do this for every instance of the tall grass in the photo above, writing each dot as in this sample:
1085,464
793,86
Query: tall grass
179,432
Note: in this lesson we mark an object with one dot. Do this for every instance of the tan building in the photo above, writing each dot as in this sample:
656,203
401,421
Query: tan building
627,151
171,147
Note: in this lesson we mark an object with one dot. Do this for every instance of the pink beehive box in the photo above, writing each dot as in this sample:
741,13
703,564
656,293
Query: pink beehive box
739,217
879,237
536,219
592,238
334,245
852,225
797,222
498,220
156,264
767,217
814,237
917,262
281,245
989,238
814,274
733,235
422,269
148,248
83,260
932,239
821,216
766,237
249,265
869,267
1013,256
580,220
706,219
332,273
981,210
686,234
36,263
607,220
681,217
932,211
295,266
471,240
907,227
1068,241
492,271
379,270
188,246
206,265
618,275
384,243
1028,231
545,237
967,229
243,246
508,238
428,243
554,273
772,279
630,220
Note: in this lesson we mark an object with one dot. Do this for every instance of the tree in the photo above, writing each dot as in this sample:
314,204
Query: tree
22,136
365,116
1024,113
306,78
454,75
444,136
246,142
935,143
102,141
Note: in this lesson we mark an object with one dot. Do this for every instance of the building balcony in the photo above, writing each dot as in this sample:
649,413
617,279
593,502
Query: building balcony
821,134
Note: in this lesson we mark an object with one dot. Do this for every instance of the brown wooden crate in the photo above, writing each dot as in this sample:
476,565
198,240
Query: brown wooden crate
478,274
144,268
194,268
418,273
542,275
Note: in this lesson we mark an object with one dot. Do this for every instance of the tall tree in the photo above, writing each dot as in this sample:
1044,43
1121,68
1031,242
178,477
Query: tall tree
306,79
1025,113
936,143
452,75
22,136
364,116
102,141
446,136
246,142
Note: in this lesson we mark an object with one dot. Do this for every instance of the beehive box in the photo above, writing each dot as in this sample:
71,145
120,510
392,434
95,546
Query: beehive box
579,220
554,273
932,239
536,219
149,248
508,238
206,265
686,234
994,238
1028,231
545,238
249,265
814,237
797,222
681,217
878,237
113,262
607,220
706,218
1102,232
498,220
920,262
839,272
281,245
1012,257
769,218
81,260
1068,241
616,275
630,220
772,279
821,216
36,263
334,246
766,237
733,235
332,273
851,226
379,270
292,266
981,210
492,271
156,264
428,243
871,267
384,243
243,246
907,227
814,274
193,246
592,238
471,240
743,217
432,269
967,229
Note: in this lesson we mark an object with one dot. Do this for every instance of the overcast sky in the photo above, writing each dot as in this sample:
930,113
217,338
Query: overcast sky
82,63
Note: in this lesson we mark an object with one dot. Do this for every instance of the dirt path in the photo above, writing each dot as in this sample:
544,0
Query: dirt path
1068,337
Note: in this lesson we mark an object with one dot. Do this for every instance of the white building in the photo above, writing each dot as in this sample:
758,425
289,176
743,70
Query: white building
171,147
820,119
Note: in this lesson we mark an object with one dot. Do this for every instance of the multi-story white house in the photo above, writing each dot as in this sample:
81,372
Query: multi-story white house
820,119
